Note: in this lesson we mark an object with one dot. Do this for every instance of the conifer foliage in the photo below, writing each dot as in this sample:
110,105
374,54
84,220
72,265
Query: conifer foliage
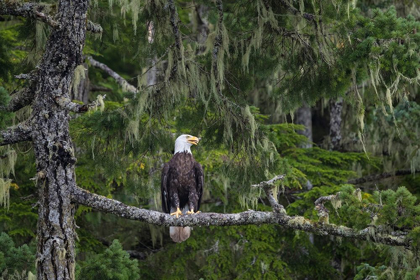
234,73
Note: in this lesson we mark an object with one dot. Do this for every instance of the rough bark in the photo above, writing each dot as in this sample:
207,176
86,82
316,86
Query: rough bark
249,217
20,133
174,19
218,42
202,27
28,10
22,98
336,107
303,116
52,143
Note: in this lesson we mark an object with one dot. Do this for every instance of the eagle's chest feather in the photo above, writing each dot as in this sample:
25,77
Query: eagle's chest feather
182,170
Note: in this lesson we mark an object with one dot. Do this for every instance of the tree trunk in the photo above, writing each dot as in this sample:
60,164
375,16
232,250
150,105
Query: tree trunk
52,143
336,107
303,116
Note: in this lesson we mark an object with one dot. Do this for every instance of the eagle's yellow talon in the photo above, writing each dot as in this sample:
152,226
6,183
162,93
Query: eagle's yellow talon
192,212
177,213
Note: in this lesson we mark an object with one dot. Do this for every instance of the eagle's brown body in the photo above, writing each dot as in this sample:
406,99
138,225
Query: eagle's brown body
182,187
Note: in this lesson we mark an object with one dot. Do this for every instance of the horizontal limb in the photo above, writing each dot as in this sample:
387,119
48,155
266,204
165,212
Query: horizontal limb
27,10
378,177
19,100
120,80
12,135
69,105
250,217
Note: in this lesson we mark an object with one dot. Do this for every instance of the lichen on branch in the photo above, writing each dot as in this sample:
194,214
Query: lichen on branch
249,217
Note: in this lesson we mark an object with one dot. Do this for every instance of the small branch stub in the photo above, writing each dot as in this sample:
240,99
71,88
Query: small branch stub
67,104
93,27
268,188
323,212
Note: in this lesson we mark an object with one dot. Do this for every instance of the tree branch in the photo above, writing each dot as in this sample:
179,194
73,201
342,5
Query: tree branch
19,133
27,10
377,177
293,10
67,104
323,212
120,80
268,188
99,88
19,100
249,217
93,27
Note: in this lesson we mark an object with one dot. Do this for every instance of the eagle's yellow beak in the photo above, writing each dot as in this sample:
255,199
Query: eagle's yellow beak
193,140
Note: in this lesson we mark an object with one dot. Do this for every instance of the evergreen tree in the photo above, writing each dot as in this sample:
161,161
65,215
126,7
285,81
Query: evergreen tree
233,73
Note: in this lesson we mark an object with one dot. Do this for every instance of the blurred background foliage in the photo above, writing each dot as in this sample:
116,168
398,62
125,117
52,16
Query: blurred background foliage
271,62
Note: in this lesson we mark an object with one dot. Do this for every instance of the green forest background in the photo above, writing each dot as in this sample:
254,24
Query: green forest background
239,86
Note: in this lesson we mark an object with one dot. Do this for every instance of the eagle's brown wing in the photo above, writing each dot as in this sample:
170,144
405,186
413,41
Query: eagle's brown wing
199,177
164,189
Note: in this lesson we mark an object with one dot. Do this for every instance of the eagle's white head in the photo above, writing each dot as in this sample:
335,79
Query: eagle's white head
184,142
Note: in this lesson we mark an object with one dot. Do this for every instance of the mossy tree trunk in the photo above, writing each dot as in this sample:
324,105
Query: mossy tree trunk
52,143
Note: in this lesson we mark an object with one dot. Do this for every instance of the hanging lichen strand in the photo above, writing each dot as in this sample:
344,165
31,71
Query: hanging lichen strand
8,158
5,192
187,79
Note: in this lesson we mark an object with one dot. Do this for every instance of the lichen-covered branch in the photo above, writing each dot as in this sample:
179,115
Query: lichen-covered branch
268,189
19,100
93,27
12,135
27,10
323,212
69,105
120,80
249,217
29,76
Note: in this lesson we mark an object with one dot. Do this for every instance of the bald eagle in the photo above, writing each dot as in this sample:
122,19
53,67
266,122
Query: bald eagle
182,185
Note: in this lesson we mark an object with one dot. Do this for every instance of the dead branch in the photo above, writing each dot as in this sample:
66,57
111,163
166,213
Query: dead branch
323,212
268,189
19,100
27,10
69,105
377,177
29,76
93,27
120,80
12,135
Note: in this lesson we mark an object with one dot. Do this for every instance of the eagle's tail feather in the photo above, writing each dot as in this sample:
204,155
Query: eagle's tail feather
179,234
